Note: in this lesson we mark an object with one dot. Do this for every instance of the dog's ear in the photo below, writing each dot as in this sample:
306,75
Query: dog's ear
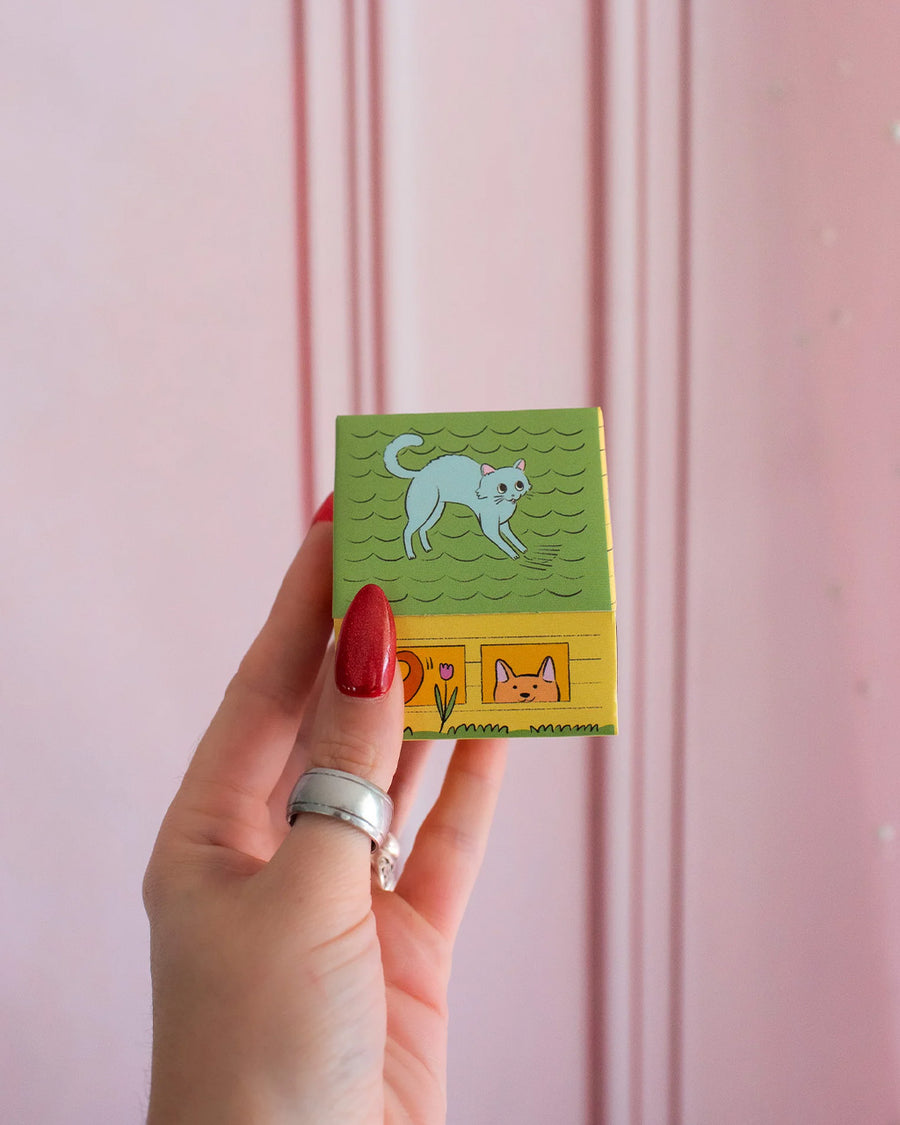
547,670
504,672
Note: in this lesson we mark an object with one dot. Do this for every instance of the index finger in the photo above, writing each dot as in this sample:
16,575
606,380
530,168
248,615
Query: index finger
244,751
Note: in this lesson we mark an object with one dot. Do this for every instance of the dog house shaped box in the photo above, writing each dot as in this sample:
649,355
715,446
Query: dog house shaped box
489,533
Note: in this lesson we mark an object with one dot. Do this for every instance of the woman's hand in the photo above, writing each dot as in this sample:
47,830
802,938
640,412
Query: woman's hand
285,986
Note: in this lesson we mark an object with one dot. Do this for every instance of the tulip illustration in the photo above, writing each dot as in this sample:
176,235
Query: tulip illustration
443,704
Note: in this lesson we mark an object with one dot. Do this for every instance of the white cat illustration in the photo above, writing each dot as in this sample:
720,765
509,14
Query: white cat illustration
492,494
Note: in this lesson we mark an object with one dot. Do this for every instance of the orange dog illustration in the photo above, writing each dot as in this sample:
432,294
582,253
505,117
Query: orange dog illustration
539,687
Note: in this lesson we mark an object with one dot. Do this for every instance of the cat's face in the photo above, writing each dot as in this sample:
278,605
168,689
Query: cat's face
503,485
541,687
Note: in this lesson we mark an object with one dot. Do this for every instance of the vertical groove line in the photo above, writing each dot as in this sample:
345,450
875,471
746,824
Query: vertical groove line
377,206
353,297
305,403
679,718
596,867
636,921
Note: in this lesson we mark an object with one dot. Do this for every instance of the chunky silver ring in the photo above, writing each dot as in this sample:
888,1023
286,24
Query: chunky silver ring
346,797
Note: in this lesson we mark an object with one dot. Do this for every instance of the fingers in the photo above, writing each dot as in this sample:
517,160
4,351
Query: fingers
357,729
410,767
298,759
445,860
242,755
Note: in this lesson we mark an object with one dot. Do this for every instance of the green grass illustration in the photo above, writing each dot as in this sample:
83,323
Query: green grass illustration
577,728
478,730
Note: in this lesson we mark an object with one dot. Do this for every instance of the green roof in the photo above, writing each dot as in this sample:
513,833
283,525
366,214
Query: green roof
561,520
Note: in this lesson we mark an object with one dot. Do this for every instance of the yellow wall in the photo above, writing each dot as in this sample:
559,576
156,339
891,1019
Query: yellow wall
589,680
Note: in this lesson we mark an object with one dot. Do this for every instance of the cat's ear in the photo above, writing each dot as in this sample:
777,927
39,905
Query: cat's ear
520,465
504,672
547,671
485,469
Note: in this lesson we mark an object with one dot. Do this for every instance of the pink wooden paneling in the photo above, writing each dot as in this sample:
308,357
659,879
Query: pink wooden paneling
752,268
486,254
149,486
792,786
748,901
646,300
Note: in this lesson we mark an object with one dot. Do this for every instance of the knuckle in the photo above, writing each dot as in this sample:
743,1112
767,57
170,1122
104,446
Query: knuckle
259,687
151,889
458,840
351,751
168,882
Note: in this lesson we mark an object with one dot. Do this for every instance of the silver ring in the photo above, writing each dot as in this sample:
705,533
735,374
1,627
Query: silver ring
385,860
346,797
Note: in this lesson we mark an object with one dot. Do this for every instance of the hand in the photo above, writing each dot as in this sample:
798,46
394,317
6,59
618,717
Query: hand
285,986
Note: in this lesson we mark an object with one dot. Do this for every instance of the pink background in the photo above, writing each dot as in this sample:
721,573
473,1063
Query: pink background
222,223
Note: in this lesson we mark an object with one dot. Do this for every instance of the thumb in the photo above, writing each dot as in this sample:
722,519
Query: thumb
358,729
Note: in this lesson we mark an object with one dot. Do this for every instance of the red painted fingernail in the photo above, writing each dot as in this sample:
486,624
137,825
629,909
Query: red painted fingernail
367,646
326,511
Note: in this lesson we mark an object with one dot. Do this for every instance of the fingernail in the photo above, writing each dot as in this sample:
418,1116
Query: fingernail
367,646
326,511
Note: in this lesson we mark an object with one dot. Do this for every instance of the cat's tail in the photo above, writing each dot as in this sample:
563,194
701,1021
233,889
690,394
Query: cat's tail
404,441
